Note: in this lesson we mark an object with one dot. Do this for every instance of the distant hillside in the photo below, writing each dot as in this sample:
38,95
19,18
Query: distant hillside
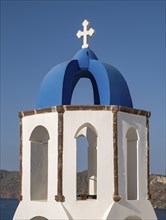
158,191
9,186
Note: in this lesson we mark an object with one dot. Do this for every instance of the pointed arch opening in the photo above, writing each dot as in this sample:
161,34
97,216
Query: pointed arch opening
86,147
132,169
39,163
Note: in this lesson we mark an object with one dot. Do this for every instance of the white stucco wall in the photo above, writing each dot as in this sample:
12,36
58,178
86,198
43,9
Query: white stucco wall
140,208
49,208
103,207
102,122
126,121
29,123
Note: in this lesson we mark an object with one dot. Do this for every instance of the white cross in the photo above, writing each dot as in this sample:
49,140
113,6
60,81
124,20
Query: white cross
85,33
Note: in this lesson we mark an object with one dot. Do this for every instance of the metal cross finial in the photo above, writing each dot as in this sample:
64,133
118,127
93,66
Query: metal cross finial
85,33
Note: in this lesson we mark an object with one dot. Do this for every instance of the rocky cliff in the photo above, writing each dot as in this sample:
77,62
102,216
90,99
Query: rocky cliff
9,186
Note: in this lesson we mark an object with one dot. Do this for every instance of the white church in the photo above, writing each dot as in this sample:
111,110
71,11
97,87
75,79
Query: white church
118,146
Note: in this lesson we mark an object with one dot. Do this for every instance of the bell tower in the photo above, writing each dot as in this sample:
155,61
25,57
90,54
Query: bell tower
118,146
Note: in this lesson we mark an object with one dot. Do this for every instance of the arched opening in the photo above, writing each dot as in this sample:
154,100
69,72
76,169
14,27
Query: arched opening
83,93
84,89
82,165
133,218
39,218
86,139
132,140
39,163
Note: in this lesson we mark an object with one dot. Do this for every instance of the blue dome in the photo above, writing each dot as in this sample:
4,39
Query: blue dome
109,86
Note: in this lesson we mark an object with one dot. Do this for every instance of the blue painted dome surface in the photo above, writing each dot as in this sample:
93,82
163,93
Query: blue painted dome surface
109,86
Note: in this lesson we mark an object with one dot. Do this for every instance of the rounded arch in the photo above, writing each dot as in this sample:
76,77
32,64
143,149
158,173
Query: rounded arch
133,217
132,166
83,93
39,163
38,218
39,134
77,76
132,134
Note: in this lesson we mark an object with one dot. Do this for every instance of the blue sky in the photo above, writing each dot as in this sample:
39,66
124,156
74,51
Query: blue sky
37,35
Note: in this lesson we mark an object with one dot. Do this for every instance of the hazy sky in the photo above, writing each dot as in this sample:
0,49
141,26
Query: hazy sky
37,35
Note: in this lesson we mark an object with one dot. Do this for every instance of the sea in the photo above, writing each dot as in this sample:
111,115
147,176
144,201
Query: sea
8,207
